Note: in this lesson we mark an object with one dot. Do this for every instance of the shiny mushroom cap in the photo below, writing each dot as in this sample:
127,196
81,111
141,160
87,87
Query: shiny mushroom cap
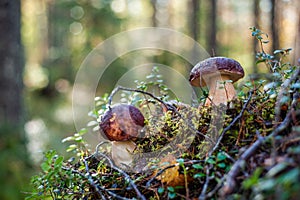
122,122
214,66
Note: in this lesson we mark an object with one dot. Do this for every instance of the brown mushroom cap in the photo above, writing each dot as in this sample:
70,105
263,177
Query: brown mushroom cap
213,66
122,122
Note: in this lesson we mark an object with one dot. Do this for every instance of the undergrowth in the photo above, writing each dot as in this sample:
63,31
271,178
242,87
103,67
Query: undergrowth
256,154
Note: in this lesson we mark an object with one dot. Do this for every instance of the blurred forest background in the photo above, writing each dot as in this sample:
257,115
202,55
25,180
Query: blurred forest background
43,43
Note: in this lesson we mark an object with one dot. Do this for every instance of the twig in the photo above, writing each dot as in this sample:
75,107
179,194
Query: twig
235,169
91,181
231,124
283,90
168,106
135,90
159,173
205,186
228,156
127,177
97,186
218,186
187,193
192,128
203,195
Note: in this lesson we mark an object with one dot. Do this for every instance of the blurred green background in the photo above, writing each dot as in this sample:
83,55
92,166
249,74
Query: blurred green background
44,42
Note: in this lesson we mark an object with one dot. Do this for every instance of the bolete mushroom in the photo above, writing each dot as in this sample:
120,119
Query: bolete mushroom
218,74
121,124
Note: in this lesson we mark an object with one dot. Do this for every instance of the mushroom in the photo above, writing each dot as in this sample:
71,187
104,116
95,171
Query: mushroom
219,74
121,124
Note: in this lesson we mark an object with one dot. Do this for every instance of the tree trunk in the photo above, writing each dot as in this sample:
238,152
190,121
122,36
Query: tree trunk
212,36
154,20
194,22
275,25
11,64
194,25
256,24
297,40
15,170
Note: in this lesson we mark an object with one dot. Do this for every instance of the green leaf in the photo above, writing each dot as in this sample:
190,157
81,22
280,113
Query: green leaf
260,61
82,131
96,128
197,166
211,161
294,150
78,139
171,189
241,94
160,190
296,128
59,160
150,76
276,169
171,195
71,147
45,166
180,161
221,165
92,123
290,177
278,51
50,154
221,156
252,180
199,175
67,139
266,185
282,51
295,85
284,100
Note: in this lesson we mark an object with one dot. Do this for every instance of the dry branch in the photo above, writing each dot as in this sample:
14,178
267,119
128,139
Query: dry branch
168,106
126,176
231,124
230,182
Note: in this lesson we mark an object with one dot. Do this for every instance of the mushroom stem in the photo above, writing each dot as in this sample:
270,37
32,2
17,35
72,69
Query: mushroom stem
122,153
220,90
